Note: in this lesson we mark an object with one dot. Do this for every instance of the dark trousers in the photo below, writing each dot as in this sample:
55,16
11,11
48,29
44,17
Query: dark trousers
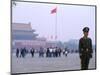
84,62
32,54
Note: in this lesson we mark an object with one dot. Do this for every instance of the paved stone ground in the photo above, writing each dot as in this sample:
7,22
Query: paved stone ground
36,64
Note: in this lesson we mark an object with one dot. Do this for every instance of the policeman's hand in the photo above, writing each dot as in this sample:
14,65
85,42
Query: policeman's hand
80,55
90,55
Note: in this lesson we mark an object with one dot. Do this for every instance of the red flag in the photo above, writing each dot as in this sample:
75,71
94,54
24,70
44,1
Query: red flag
54,10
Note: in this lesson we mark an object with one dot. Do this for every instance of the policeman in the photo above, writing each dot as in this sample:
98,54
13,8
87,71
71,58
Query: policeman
85,49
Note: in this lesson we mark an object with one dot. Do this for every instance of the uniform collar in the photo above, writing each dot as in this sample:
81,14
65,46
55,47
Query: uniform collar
85,37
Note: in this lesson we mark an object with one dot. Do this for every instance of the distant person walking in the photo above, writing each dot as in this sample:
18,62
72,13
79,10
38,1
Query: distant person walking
23,52
17,52
59,52
41,52
56,52
85,49
48,53
32,52
66,53
51,53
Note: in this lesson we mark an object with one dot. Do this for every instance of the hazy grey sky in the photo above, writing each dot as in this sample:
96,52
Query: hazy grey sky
71,19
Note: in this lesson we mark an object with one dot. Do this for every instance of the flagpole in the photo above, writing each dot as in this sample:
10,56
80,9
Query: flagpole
55,32
56,28
56,25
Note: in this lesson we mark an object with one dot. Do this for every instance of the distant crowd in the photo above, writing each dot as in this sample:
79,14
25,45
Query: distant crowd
49,52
